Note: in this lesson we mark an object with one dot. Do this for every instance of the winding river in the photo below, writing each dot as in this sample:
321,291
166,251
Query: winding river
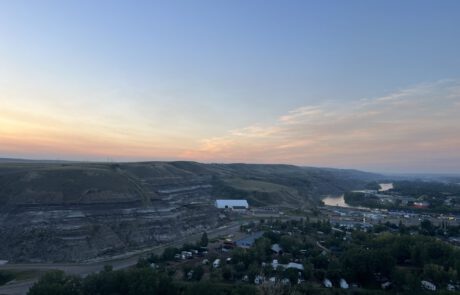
339,201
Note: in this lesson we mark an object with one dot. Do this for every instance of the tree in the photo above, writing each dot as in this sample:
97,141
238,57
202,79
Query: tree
204,240
56,283
153,258
320,262
262,249
168,253
400,250
308,271
253,271
436,273
227,273
372,185
382,262
333,270
198,272
402,228
185,270
290,244
5,277
319,274
142,262
240,267
274,237
218,289
140,282
427,227
292,274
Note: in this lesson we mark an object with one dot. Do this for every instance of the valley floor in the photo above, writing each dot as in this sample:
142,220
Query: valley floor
83,269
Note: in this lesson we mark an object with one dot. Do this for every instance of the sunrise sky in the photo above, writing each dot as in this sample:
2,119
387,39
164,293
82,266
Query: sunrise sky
372,85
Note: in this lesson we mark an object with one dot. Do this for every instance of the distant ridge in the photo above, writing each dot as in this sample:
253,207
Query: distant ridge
18,160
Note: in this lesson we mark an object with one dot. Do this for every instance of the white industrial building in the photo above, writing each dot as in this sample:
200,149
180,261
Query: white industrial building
232,204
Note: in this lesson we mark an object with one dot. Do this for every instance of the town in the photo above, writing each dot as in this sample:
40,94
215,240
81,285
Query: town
334,250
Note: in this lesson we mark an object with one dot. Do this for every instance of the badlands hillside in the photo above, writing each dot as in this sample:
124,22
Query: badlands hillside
65,211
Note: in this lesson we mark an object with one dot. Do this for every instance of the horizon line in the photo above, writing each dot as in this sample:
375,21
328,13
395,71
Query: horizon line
5,159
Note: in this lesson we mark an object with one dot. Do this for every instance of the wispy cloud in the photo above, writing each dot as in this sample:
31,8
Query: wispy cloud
418,127
303,114
255,131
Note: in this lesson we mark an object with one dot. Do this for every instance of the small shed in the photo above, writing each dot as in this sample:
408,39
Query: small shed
276,248
295,265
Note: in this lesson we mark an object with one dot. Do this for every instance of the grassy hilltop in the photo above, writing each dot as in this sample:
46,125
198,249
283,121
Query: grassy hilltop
68,182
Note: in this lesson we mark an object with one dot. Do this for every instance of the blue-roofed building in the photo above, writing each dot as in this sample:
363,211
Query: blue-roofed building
248,241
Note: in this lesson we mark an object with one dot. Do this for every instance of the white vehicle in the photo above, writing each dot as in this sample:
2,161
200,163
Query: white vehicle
428,285
216,263
327,283
343,284
385,285
285,281
259,280
187,254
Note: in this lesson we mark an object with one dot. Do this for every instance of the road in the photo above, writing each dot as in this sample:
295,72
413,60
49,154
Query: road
83,269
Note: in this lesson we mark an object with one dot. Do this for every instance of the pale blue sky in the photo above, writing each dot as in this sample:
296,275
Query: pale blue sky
193,71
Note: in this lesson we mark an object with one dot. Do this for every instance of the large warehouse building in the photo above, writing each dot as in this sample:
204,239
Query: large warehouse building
232,204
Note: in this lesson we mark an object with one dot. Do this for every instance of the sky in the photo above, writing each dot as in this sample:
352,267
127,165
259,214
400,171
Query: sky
372,85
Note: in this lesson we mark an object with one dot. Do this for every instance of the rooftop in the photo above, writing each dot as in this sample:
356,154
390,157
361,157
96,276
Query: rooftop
231,203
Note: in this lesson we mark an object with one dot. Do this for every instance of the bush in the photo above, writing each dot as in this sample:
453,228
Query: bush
5,276
56,283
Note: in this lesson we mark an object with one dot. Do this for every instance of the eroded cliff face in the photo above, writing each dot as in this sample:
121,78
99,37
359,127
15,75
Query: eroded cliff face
59,212
80,215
